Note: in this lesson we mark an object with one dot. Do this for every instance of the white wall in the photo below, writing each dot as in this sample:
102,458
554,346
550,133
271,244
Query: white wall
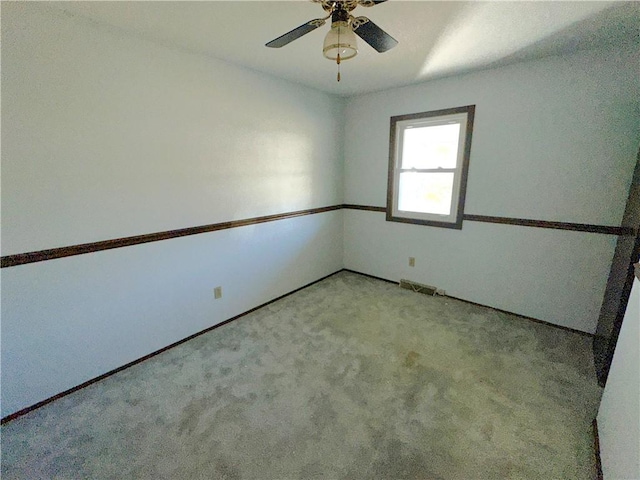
68,320
106,135
554,139
619,413
518,269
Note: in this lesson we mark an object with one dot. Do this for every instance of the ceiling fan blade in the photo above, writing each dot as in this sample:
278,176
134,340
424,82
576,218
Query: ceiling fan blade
296,33
373,34
370,3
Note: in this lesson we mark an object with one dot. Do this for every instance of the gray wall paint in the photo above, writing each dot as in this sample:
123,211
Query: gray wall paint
105,136
553,139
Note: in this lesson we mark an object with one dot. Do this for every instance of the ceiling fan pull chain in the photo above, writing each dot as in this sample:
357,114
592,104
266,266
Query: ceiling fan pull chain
338,56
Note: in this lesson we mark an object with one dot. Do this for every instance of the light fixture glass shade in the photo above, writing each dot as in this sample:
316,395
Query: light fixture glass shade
340,39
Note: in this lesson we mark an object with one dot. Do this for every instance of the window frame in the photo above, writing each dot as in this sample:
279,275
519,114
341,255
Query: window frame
398,125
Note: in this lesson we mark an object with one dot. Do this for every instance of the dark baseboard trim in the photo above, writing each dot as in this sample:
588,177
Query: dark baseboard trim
370,276
596,448
35,406
42,255
525,222
531,319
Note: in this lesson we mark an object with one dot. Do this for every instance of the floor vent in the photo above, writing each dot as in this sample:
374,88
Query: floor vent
418,287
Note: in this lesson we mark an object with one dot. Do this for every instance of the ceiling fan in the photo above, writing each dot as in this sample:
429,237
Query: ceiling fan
340,42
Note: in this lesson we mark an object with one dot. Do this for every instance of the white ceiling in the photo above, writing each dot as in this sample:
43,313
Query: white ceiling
436,38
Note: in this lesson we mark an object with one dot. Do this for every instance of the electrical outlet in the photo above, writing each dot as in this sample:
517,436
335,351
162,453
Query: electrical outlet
412,261
217,292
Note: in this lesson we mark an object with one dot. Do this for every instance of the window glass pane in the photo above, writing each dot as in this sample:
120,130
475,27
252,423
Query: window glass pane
431,146
426,192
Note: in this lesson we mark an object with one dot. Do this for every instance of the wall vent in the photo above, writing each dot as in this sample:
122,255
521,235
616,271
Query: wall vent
418,287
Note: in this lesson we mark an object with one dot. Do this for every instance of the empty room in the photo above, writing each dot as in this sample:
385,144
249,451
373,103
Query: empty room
320,239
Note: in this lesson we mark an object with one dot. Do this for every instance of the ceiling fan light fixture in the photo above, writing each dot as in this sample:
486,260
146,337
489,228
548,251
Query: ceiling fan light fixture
340,40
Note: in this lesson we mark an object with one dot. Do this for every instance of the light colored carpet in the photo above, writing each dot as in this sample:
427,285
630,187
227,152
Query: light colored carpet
351,378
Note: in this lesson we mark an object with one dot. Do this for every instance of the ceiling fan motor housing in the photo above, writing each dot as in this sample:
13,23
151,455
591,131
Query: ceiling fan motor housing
347,5
339,14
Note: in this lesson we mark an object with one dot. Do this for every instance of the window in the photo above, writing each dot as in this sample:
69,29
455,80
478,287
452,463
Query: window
428,163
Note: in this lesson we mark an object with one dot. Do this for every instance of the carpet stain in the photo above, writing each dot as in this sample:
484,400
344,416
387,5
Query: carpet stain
312,470
226,471
411,359
191,415
323,412
487,431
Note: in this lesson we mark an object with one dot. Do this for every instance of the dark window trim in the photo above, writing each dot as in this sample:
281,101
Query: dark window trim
470,111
